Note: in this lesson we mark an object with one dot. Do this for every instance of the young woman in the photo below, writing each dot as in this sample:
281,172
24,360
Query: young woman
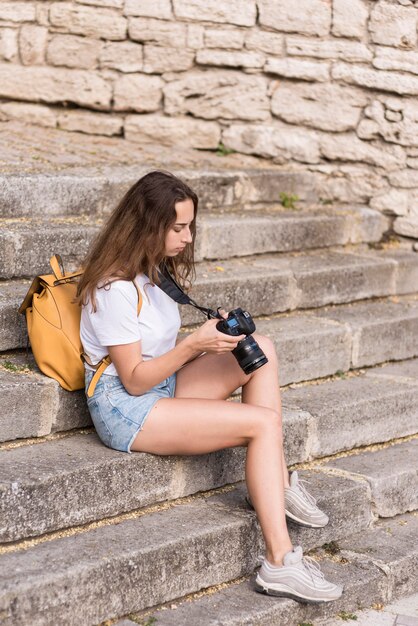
165,396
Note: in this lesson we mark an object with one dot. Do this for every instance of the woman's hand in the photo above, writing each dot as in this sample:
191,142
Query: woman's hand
208,338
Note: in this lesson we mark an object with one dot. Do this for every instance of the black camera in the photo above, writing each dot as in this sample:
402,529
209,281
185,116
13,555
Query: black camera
248,353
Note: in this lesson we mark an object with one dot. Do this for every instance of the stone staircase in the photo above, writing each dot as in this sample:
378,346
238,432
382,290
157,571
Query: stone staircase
91,535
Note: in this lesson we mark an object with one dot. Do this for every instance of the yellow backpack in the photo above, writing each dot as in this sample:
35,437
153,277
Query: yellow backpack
53,321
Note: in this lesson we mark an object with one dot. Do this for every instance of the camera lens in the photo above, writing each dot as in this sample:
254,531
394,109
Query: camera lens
249,355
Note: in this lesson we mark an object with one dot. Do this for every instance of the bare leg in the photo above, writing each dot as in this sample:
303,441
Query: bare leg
195,426
263,389
205,426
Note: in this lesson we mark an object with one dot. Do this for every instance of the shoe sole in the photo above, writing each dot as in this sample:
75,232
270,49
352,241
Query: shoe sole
283,593
303,523
293,518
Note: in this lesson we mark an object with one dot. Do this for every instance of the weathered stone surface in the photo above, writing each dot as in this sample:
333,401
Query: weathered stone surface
230,58
407,226
307,347
407,178
158,60
393,25
240,12
38,239
35,405
367,225
346,50
277,141
160,9
172,131
406,269
292,68
364,580
357,411
349,183
406,370
369,322
348,147
73,51
395,126
198,544
32,44
262,289
195,36
218,94
164,33
29,113
392,474
331,277
12,325
90,123
138,93
8,44
49,84
17,11
394,201
375,79
124,56
389,59
96,190
391,544
313,17
349,18
273,231
91,482
232,38
264,41
88,21
328,107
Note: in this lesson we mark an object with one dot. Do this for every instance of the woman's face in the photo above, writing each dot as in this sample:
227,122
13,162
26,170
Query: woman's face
179,234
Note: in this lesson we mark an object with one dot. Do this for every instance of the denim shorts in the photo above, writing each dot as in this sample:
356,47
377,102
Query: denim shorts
117,416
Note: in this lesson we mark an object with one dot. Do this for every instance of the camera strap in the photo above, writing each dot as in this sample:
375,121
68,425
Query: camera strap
176,293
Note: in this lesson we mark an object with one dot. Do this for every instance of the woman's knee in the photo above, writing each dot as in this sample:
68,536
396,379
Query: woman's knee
266,422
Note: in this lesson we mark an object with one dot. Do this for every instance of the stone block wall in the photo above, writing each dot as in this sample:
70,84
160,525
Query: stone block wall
328,86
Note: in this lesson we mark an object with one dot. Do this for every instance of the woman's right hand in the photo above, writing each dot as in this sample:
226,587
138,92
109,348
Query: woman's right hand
208,338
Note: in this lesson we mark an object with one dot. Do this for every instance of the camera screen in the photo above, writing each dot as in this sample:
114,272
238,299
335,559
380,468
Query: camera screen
232,323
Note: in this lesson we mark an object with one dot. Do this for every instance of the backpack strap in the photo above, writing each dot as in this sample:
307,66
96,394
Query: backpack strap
106,361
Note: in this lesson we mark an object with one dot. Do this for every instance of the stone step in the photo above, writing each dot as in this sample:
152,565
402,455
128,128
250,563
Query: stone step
358,410
96,190
126,565
58,483
310,346
375,566
26,245
266,284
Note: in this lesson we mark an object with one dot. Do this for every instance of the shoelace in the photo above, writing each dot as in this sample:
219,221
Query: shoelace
305,493
312,567
308,562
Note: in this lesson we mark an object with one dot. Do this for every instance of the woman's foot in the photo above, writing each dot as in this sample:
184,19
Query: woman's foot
298,578
300,506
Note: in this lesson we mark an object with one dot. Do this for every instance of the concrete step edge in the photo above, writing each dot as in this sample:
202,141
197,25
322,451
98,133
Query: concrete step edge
368,580
74,480
196,544
97,190
223,236
266,285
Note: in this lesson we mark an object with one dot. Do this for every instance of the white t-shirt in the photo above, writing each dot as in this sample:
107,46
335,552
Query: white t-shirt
116,322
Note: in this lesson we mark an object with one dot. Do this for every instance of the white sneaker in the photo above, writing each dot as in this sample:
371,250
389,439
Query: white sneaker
301,507
298,578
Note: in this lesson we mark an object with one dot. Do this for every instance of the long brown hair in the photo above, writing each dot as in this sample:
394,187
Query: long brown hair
133,240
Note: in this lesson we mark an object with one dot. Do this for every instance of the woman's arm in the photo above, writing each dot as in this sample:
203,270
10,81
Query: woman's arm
138,375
